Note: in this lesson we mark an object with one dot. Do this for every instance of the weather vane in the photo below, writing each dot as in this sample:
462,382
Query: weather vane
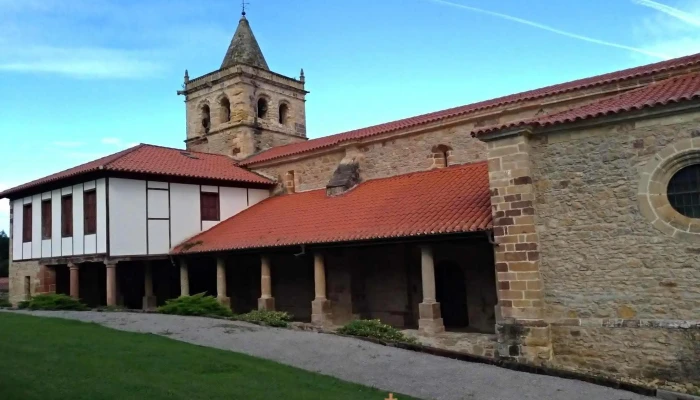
243,4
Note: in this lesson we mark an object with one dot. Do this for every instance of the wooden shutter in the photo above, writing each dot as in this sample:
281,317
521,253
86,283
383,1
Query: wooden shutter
67,216
90,199
27,223
209,206
46,219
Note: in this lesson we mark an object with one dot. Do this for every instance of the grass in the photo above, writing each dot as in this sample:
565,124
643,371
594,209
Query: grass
47,358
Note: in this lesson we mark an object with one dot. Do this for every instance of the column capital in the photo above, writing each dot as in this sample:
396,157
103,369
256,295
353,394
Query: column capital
72,265
111,263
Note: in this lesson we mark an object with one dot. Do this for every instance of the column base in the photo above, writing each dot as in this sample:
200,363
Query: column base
321,312
266,304
224,301
149,303
430,322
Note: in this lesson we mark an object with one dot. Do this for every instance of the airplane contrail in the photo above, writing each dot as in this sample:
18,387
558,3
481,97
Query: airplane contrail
553,30
672,11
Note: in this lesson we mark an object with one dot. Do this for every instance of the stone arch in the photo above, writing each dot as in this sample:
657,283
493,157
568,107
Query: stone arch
224,109
653,186
441,156
283,113
262,107
205,116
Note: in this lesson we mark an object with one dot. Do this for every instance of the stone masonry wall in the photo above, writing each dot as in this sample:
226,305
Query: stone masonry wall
42,279
601,258
385,158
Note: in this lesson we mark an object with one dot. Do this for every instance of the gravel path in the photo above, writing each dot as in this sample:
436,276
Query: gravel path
387,368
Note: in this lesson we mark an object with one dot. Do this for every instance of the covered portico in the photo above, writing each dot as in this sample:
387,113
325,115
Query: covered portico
413,251
430,284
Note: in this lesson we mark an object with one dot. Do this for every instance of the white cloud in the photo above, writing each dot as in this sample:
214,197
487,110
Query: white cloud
673,30
79,62
684,16
554,30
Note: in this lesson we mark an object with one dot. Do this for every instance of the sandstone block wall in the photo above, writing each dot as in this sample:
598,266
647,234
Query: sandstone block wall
381,159
28,278
602,259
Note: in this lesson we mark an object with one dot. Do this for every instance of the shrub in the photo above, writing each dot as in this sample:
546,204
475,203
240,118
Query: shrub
375,329
54,302
278,319
199,304
4,303
23,304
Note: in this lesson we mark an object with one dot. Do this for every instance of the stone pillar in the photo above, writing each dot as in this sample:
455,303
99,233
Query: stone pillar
321,311
74,280
430,321
184,278
221,282
149,300
523,332
111,267
266,301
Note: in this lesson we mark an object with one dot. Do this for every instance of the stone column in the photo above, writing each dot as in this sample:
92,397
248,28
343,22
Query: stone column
221,282
111,267
184,278
266,301
74,281
430,321
523,332
149,300
321,311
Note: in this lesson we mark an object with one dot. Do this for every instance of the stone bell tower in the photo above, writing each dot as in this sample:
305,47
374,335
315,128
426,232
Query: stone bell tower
243,108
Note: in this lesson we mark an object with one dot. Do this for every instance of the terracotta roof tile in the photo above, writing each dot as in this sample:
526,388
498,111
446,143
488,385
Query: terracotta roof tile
449,200
156,160
328,141
672,90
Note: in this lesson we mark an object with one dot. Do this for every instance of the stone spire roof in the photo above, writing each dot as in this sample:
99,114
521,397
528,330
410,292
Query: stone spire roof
244,49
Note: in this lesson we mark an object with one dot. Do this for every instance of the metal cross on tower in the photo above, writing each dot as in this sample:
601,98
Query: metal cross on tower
243,4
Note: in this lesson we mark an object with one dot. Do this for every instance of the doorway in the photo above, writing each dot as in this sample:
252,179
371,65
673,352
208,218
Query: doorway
451,293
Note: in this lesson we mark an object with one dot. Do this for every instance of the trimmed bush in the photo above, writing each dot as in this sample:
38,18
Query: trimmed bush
24,304
373,328
278,319
198,304
4,303
55,302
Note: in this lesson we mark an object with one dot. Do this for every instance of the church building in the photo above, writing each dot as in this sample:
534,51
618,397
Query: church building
558,226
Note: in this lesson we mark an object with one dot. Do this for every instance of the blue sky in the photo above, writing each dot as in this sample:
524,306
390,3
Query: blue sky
85,78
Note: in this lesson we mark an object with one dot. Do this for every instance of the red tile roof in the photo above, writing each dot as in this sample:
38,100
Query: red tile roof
328,141
672,90
156,160
449,200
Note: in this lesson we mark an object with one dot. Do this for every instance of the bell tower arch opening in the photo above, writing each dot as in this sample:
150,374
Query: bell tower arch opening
254,108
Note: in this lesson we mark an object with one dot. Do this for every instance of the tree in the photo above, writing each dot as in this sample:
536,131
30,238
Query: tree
4,254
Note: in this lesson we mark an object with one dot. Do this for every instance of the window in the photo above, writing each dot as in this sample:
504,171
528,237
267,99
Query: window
441,156
210,206
262,108
46,219
27,223
684,191
284,110
67,216
225,110
90,205
206,118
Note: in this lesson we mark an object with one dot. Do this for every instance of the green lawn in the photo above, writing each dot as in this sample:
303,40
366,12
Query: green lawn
47,358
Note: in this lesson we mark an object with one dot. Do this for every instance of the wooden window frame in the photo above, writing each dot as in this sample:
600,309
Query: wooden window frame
46,219
90,214
27,223
67,216
203,211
